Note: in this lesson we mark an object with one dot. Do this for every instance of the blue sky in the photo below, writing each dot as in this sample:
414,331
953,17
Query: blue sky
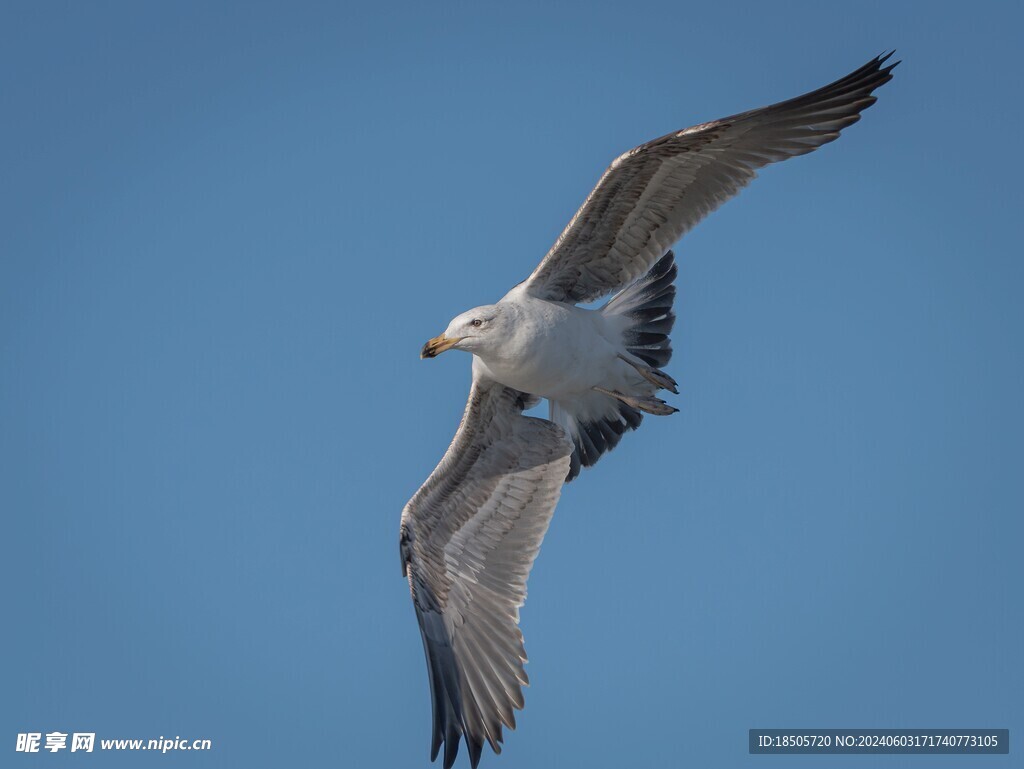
227,231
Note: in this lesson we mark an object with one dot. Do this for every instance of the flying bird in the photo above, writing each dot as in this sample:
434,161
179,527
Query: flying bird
469,536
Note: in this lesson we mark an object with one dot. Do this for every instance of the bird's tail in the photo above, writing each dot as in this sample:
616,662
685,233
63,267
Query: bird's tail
597,420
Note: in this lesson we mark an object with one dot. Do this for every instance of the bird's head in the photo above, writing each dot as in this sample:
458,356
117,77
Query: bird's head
476,331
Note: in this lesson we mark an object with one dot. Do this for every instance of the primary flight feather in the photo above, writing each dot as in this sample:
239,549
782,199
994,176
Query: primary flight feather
469,536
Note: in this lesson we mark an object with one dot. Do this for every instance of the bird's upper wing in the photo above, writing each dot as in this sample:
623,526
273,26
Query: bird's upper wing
650,196
469,537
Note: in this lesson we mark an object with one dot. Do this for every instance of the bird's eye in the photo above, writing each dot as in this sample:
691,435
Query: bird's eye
477,323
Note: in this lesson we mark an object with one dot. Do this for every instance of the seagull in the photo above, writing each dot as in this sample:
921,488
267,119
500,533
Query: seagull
469,536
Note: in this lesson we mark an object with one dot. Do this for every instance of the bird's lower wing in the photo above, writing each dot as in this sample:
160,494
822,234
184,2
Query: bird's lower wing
469,537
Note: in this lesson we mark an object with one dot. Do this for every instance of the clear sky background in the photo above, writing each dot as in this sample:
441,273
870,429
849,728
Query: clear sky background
228,229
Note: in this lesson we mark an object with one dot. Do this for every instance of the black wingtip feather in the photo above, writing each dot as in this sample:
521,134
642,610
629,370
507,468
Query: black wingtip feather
574,465
475,749
649,302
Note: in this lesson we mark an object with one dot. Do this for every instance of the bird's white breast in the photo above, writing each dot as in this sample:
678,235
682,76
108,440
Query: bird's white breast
553,349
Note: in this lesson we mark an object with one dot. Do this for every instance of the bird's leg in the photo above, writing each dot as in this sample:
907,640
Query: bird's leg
649,404
655,376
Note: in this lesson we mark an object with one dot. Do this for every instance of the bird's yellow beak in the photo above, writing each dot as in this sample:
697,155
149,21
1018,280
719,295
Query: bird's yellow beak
438,345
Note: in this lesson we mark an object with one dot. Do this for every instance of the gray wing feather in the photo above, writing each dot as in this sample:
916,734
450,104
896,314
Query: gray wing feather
469,538
652,195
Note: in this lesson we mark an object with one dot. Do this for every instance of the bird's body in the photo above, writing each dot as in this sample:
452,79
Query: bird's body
556,350
469,536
